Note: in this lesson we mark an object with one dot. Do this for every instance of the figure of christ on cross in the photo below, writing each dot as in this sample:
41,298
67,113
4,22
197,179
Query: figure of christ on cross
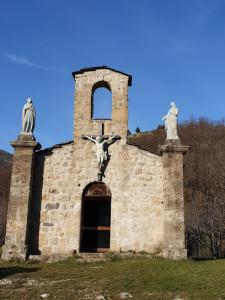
101,153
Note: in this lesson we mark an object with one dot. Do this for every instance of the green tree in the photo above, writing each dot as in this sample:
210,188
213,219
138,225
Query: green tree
137,130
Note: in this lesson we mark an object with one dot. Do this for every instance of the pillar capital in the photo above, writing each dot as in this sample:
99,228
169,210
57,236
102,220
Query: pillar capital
26,140
25,144
173,146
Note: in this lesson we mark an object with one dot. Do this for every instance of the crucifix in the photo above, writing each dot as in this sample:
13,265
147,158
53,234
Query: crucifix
101,140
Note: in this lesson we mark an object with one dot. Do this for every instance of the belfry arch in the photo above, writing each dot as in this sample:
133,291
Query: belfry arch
95,218
103,103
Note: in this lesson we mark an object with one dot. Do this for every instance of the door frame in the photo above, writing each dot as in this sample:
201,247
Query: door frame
96,191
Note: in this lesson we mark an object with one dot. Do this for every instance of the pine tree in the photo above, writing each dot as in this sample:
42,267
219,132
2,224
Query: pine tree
137,130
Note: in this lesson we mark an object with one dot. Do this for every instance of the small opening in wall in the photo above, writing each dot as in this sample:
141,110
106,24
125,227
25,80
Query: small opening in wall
101,101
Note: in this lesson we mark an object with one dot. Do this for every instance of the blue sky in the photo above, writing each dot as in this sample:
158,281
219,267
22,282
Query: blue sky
174,50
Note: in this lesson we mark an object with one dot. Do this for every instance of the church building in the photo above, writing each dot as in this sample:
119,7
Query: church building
97,193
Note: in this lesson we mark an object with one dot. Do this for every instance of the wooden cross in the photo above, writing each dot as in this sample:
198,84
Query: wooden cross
101,134
101,129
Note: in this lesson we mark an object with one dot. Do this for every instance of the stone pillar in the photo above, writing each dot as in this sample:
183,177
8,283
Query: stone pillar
173,222
19,198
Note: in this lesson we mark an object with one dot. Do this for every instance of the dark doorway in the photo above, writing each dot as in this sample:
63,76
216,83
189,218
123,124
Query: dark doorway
96,217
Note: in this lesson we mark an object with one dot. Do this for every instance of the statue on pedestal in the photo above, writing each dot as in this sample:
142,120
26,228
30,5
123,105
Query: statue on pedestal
171,122
28,117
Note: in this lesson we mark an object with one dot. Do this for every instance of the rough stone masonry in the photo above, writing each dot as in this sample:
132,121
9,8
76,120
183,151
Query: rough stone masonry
59,204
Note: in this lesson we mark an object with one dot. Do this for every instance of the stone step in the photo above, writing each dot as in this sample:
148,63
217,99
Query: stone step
89,256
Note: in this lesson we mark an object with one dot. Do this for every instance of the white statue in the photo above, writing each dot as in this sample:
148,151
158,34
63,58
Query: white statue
171,122
101,153
28,117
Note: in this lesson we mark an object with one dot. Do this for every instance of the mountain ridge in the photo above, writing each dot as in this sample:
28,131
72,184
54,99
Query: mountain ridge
5,158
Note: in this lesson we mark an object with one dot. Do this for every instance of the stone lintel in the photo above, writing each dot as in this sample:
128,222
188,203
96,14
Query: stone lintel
25,144
172,148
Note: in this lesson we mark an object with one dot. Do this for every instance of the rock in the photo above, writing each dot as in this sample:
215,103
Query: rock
44,296
100,297
125,295
31,282
5,281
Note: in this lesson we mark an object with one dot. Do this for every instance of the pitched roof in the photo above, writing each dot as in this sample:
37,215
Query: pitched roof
81,71
54,147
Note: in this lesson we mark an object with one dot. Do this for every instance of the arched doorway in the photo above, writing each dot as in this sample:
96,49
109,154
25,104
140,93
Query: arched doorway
96,218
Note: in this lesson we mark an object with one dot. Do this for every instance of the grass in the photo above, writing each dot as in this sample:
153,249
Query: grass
144,278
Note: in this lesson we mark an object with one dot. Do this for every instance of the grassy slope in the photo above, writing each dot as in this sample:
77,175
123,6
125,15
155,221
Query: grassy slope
144,278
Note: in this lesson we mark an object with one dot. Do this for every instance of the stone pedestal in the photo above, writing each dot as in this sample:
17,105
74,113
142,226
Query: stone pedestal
173,222
19,199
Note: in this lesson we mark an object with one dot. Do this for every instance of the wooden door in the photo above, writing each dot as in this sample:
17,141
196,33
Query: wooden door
96,217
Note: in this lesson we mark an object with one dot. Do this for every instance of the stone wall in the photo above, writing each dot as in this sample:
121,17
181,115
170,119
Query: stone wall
53,204
134,177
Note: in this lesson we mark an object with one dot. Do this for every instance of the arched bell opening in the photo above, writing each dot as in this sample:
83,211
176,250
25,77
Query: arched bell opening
96,218
101,101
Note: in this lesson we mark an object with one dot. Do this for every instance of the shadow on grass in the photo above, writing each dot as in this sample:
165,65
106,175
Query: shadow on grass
8,271
201,259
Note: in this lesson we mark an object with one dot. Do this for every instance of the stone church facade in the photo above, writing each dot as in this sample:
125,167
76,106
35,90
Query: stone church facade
61,205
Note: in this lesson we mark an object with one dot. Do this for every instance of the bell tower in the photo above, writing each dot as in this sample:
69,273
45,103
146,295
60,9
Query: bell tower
86,82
